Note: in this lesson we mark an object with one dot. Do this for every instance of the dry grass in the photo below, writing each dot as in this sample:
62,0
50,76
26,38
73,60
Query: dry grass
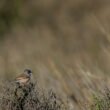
65,43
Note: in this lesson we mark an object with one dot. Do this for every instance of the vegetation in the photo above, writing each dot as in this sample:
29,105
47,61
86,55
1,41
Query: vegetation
28,97
99,102
9,14
65,43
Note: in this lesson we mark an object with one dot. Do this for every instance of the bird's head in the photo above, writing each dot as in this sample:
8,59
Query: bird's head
27,72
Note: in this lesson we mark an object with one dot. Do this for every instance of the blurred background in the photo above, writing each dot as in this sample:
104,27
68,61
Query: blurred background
66,43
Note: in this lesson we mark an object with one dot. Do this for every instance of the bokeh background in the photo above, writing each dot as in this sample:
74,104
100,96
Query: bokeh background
66,43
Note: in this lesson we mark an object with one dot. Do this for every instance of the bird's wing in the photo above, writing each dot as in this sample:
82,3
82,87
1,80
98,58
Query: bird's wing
22,76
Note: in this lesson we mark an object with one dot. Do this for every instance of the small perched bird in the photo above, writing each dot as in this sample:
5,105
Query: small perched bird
24,77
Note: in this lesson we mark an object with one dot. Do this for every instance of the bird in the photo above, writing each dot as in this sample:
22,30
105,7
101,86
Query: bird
23,78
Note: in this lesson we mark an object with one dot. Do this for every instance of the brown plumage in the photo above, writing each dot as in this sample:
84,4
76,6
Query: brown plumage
23,78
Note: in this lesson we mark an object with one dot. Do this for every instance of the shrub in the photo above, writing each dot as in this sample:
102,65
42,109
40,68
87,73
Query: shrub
101,102
29,97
